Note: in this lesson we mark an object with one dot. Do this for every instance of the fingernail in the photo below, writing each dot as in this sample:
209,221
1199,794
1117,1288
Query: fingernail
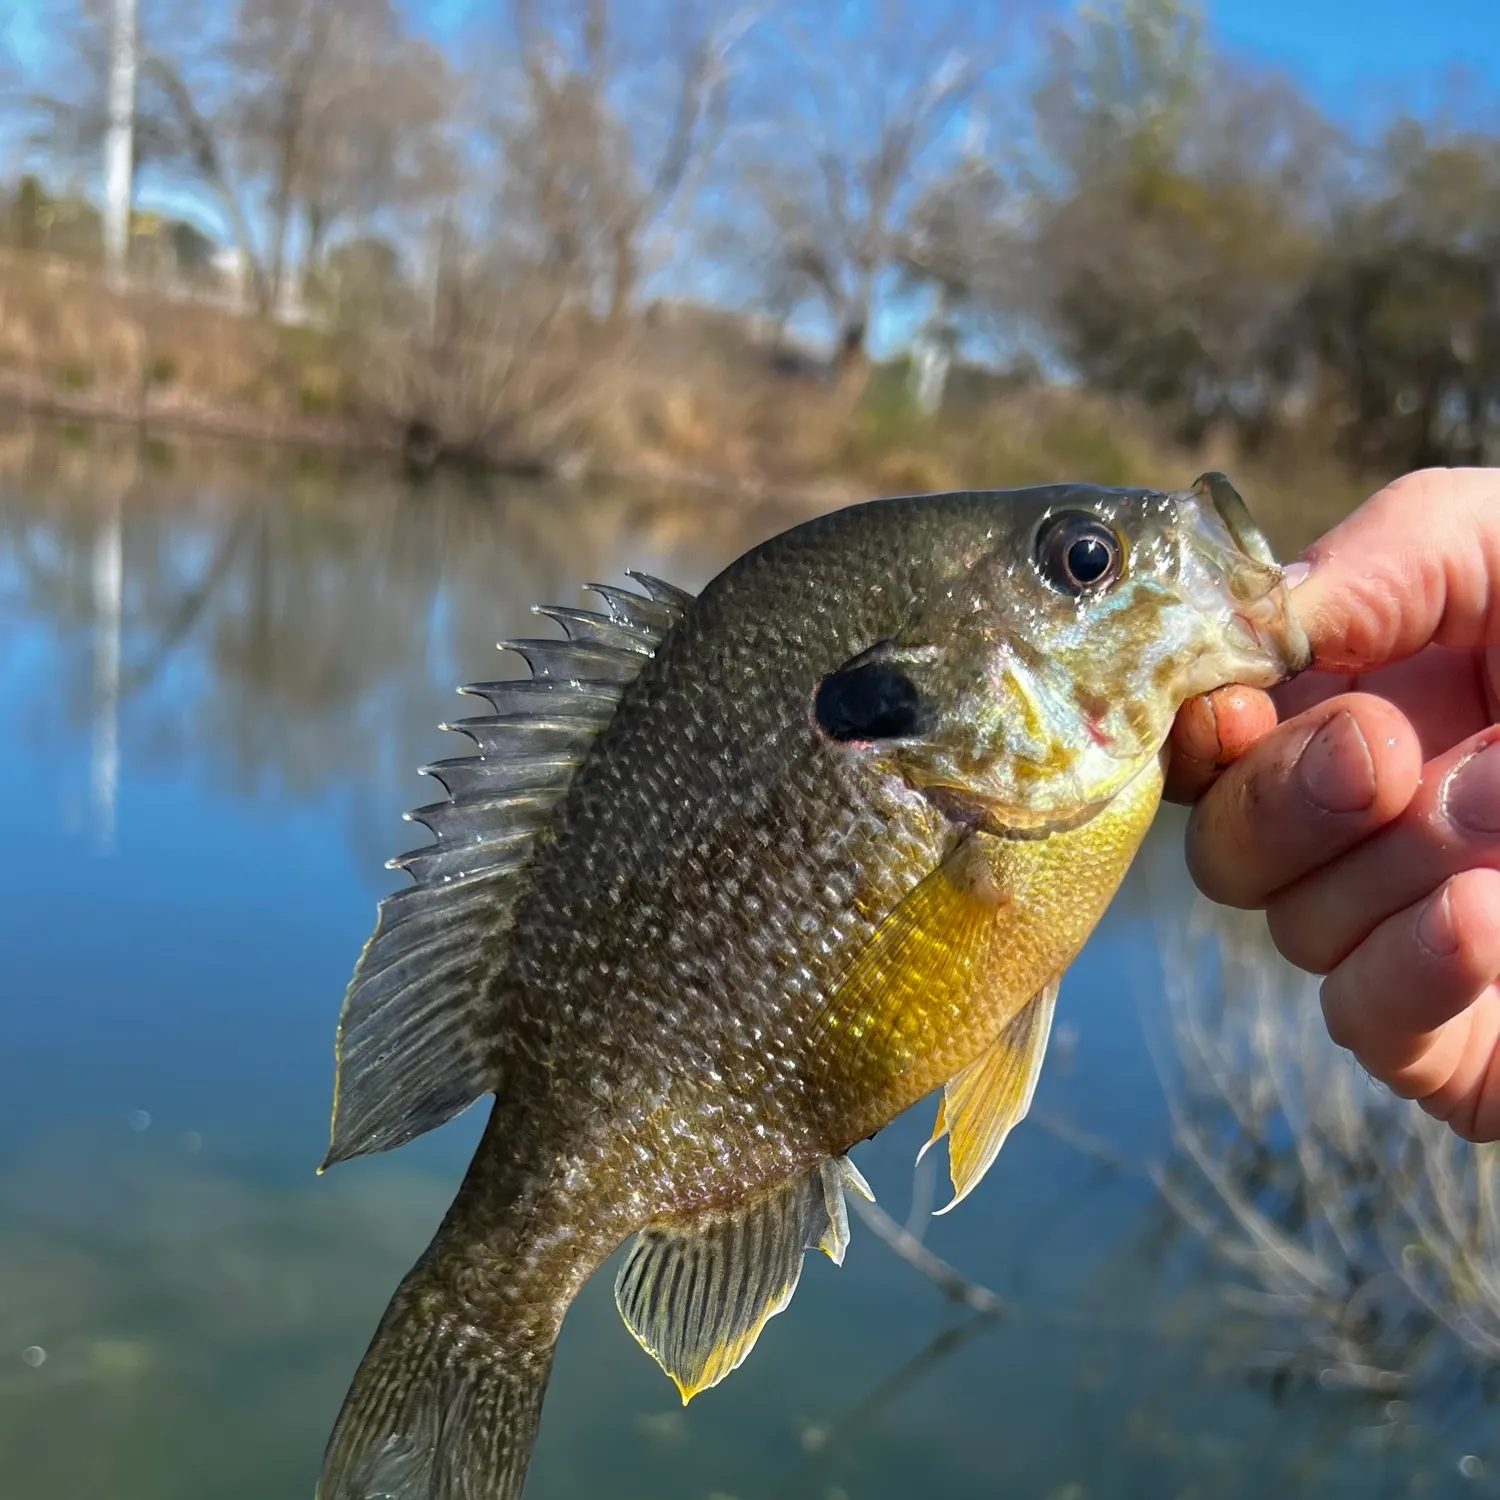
1472,796
1435,926
1296,574
1335,767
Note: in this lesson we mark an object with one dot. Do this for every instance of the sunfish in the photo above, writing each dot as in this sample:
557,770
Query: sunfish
733,881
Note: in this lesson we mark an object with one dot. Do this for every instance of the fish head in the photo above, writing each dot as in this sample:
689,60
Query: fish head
1042,666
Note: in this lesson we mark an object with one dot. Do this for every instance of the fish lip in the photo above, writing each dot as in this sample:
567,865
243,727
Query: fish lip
1265,627
1231,509
1269,631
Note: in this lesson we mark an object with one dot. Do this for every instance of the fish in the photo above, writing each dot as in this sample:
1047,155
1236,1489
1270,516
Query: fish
733,880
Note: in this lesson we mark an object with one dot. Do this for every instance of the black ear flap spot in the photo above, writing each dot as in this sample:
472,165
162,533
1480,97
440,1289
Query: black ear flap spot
872,701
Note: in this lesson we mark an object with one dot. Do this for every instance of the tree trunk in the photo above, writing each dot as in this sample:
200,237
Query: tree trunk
851,362
624,272
280,217
317,230
119,143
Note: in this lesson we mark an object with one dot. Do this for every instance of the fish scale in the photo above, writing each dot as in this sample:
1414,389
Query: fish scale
707,932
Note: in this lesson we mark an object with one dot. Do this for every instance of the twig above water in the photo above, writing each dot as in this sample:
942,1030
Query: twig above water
1365,1227
953,1284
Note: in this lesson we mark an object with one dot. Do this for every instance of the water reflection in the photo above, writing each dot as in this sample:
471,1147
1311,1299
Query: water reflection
225,667
1365,1235
300,632
109,573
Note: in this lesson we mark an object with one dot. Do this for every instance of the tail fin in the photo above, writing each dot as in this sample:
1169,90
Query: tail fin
440,1409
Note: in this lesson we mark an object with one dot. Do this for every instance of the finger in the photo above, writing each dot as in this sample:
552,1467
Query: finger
1308,689
1451,824
1392,1001
1441,691
1470,1100
1417,563
1212,732
1307,792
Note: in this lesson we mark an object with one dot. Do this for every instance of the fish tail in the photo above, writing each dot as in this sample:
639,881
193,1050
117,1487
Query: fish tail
445,1404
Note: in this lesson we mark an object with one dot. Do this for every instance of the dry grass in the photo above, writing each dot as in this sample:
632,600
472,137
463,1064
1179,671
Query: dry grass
146,352
686,395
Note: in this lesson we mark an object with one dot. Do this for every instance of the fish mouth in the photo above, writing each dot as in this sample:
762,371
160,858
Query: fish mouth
1235,514
1269,634
1263,626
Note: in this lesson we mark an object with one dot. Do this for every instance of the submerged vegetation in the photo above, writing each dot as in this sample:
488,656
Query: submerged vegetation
1364,1233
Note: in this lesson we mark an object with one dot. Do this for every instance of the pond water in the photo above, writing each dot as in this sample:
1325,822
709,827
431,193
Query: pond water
218,674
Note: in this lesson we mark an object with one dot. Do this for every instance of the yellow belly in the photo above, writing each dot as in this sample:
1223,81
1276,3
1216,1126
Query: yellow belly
965,950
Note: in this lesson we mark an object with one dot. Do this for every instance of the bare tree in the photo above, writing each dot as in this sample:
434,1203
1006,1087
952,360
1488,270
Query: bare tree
381,146
181,124
70,114
299,117
859,114
336,110
615,114
193,124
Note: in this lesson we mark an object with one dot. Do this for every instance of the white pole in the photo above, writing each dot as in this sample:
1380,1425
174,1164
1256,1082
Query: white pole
109,590
119,143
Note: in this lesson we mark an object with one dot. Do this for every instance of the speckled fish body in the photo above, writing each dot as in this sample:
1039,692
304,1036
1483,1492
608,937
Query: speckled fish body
734,881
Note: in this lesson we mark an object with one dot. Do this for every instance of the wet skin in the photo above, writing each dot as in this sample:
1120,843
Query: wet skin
1359,805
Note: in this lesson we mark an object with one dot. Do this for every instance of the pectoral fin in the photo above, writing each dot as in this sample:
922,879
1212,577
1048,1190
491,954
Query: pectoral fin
991,1096
923,972
697,1295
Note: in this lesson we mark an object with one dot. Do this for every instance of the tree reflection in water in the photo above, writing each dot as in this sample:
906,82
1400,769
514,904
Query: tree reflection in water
331,610
1363,1236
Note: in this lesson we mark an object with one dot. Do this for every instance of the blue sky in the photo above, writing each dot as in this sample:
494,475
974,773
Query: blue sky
1350,53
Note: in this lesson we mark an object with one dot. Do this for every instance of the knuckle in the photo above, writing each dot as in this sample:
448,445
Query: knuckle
1221,853
1297,940
1338,1018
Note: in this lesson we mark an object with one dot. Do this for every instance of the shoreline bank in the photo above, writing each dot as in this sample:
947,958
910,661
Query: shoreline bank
33,399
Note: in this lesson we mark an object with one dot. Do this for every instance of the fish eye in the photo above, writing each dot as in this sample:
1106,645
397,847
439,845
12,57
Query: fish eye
1077,554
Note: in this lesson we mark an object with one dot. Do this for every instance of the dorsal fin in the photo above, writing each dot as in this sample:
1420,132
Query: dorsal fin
412,1045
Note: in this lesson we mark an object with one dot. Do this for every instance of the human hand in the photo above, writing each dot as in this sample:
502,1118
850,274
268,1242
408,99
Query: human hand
1367,822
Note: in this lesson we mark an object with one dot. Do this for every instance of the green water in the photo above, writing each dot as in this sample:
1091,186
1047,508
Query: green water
218,674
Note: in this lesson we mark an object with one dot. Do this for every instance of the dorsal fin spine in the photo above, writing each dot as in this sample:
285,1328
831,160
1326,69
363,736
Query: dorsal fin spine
414,1049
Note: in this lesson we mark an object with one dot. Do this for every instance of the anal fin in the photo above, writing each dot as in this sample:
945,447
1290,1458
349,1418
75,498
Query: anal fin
697,1294
985,1102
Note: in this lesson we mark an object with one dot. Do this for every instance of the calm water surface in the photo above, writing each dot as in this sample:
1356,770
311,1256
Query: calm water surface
216,681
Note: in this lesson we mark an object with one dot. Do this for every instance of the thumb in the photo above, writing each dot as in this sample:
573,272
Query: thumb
1417,564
